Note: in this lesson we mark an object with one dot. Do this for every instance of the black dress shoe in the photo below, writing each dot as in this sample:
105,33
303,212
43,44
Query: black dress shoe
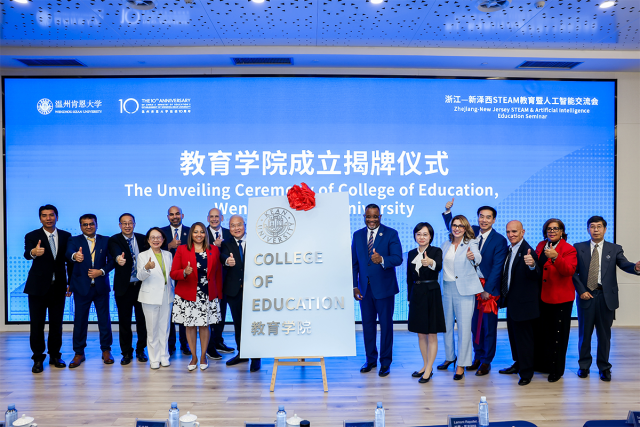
605,375
417,374
510,370
222,348
255,365
423,380
37,367
444,365
367,367
236,360
474,366
484,369
126,359
457,376
583,373
142,358
524,381
58,363
186,351
214,356
384,371
553,378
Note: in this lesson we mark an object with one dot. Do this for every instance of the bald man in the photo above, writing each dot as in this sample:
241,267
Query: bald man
520,293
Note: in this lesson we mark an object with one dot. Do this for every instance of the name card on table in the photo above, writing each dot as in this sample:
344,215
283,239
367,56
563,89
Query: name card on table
369,423
246,424
634,418
151,423
463,421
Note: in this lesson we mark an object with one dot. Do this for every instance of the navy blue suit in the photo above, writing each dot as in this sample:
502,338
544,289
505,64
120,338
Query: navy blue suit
494,252
218,328
85,291
378,286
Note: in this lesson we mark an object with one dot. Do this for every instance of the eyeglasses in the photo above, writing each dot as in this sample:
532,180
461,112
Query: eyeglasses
88,224
553,229
423,235
127,224
457,226
155,238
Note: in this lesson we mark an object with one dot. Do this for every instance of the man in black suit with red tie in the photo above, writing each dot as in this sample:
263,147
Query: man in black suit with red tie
218,234
520,293
46,287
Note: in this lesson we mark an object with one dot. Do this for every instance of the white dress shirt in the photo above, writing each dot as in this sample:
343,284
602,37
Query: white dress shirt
448,264
173,232
214,231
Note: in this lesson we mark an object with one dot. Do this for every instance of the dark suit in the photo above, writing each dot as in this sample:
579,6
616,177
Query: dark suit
45,293
218,328
493,251
522,303
598,311
184,345
85,291
378,286
126,293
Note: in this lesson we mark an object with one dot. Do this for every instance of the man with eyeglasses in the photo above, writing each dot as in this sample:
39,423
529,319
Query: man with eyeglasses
493,248
124,248
375,253
90,284
596,284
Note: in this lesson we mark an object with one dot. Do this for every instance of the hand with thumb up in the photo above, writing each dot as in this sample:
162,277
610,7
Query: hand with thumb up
375,257
528,259
37,251
79,257
150,265
470,255
188,269
120,260
231,261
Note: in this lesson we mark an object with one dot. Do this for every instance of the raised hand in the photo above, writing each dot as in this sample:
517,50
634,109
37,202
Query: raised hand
121,261
37,251
637,266
528,259
150,265
426,261
79,256
174,243
218,242
470,255
449,205
231,261
375,257
188,269
551,253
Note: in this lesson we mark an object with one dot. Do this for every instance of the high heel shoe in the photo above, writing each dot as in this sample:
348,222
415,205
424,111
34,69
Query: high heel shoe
423,380
444,365
417,374
457,376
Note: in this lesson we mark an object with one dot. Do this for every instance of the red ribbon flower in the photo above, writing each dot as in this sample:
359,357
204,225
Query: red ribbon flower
488,306
301,198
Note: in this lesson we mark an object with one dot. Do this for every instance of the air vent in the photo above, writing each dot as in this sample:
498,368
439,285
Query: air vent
549,64
262,61
51,62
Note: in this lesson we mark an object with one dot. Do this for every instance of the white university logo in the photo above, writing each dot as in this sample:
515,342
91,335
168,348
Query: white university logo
276,225
45,106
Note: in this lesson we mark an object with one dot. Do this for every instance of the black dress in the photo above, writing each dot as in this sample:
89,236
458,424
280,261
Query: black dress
426,314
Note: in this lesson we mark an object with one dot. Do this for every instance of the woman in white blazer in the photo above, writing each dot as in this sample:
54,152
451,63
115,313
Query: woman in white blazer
156,295
460,284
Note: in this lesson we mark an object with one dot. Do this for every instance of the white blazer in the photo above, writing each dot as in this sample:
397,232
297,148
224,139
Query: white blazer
467,280
152,287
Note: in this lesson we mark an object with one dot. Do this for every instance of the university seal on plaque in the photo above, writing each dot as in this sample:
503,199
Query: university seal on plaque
276,225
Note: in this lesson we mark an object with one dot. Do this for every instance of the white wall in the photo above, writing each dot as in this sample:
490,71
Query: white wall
628,150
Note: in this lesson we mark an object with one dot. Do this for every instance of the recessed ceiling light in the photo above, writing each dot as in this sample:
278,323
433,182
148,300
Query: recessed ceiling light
607,4
258,1
376,1
21,1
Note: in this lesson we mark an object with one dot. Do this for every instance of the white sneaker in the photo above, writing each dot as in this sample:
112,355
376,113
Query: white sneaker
155,365
165,363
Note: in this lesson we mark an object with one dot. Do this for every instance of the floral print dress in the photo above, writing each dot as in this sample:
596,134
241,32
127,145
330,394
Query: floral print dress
200,312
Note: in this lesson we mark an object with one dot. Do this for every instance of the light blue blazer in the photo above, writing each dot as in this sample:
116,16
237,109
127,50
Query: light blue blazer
467,280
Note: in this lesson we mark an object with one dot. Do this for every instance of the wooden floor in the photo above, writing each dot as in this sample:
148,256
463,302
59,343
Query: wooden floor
100,395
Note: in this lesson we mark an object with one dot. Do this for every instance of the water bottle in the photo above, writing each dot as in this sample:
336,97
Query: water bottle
379,415
281,417
174,415
11,415
483,412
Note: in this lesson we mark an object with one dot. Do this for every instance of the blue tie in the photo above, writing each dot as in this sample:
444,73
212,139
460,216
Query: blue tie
134,270
241,251
480,242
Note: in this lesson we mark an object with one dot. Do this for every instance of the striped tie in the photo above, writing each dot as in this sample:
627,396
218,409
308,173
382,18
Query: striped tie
92,246
134,267
594,267
370,243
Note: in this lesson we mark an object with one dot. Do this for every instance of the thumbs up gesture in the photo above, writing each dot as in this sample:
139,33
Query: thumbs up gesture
470,255
79,257
375,257
426,261
528,259
449,205
150,265
231,261
37,251
120,260
637,267
188,269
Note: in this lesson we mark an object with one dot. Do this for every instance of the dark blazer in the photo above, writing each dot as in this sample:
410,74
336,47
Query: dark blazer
42,269
186,287
226,234
494,252
433,252
612,256
522,300
383,280
122,276
79,281
233,276
169,237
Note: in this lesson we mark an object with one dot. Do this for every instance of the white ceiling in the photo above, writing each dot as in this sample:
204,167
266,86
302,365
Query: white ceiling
322,33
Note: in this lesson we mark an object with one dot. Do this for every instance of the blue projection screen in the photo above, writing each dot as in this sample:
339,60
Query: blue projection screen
533,149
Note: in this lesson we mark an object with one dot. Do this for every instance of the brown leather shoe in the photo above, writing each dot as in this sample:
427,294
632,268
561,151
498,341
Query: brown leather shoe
474,365
107,357
77,361
484,369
